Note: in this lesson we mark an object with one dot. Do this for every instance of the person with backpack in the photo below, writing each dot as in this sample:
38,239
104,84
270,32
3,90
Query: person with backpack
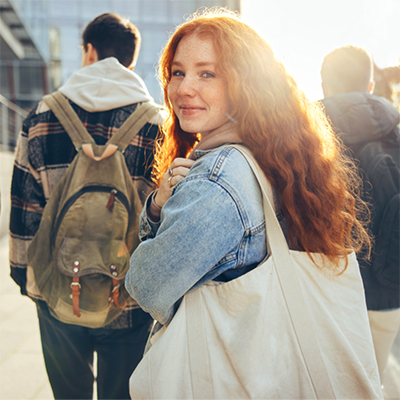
369,127
81,175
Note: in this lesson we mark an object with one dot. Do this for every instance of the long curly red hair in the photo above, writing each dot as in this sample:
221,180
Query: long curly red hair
290,137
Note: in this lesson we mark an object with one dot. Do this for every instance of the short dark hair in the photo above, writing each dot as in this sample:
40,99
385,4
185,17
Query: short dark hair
113,36
347,69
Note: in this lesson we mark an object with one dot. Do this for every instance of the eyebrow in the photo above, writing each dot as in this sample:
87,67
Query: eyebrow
199,64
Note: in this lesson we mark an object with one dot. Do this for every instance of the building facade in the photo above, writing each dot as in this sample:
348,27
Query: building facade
23,74
45,46
57,25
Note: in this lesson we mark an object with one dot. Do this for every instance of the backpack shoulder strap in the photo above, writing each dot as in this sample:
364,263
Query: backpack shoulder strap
68,118
133,124
83,140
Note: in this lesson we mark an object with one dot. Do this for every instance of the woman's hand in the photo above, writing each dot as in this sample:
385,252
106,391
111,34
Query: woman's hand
176,172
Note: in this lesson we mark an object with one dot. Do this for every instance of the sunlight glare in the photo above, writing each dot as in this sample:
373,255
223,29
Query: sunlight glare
301,33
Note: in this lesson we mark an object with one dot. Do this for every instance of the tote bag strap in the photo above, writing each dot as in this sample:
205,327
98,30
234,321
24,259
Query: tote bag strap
286,271
301,319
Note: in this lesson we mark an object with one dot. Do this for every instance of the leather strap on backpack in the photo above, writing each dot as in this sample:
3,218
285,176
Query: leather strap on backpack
115,294
75,293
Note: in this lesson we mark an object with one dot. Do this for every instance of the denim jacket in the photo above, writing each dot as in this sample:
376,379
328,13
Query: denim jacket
211,228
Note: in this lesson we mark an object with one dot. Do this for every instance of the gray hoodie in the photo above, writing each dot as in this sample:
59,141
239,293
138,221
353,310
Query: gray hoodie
105,85
361,117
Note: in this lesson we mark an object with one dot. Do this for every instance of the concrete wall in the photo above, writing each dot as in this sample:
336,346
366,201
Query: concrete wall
6,166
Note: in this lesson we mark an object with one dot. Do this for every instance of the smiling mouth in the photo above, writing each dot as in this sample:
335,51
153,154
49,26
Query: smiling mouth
190,110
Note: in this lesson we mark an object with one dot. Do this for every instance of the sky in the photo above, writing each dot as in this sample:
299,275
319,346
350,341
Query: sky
302,32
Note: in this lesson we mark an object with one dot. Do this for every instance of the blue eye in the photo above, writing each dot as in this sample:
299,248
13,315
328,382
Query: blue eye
177,73
208,75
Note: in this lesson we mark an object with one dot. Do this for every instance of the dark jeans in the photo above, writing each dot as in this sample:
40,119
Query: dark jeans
68,355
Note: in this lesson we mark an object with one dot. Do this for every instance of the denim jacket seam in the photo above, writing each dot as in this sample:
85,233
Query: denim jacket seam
257,228
216,169
214,177
232,194
228,258
241,256
241,208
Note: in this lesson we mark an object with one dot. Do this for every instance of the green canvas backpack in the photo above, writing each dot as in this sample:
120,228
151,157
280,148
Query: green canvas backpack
89,228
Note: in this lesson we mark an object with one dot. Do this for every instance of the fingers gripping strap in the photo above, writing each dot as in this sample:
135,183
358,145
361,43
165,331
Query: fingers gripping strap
68,119
133,124
286,271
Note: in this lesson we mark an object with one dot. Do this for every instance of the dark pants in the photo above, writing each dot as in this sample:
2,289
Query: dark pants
68,355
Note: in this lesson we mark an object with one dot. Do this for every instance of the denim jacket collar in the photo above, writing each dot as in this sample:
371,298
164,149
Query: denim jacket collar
200,153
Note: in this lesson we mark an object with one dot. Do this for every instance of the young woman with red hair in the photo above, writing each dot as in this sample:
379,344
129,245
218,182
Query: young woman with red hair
223,85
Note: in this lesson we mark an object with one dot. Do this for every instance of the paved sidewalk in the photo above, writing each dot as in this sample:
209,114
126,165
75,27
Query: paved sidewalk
22,372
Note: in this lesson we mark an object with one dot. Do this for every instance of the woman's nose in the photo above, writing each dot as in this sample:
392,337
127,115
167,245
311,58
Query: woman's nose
187,87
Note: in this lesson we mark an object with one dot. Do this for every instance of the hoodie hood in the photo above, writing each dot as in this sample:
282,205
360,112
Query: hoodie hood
361,117
105,85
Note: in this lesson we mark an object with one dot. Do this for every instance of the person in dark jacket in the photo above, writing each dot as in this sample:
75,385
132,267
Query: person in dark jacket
103,93
369,126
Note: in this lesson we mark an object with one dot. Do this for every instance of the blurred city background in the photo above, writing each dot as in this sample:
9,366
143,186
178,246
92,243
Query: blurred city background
40,48
40,40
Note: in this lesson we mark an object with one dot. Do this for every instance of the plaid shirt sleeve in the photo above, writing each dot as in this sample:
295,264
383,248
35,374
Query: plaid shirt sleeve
27,203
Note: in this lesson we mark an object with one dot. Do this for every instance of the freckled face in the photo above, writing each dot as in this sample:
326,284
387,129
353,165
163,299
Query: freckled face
198,93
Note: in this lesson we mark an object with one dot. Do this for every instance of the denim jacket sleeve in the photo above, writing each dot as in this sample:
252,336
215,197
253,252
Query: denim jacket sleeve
200,224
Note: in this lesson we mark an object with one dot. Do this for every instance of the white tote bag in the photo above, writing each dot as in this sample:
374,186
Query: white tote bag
285,330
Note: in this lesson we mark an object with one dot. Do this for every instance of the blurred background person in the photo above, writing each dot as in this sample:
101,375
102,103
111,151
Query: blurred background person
369,126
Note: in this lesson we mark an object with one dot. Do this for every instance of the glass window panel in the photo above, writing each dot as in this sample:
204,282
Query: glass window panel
62,8
89,9
4,80
155,11
181,9
31,80
127,9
